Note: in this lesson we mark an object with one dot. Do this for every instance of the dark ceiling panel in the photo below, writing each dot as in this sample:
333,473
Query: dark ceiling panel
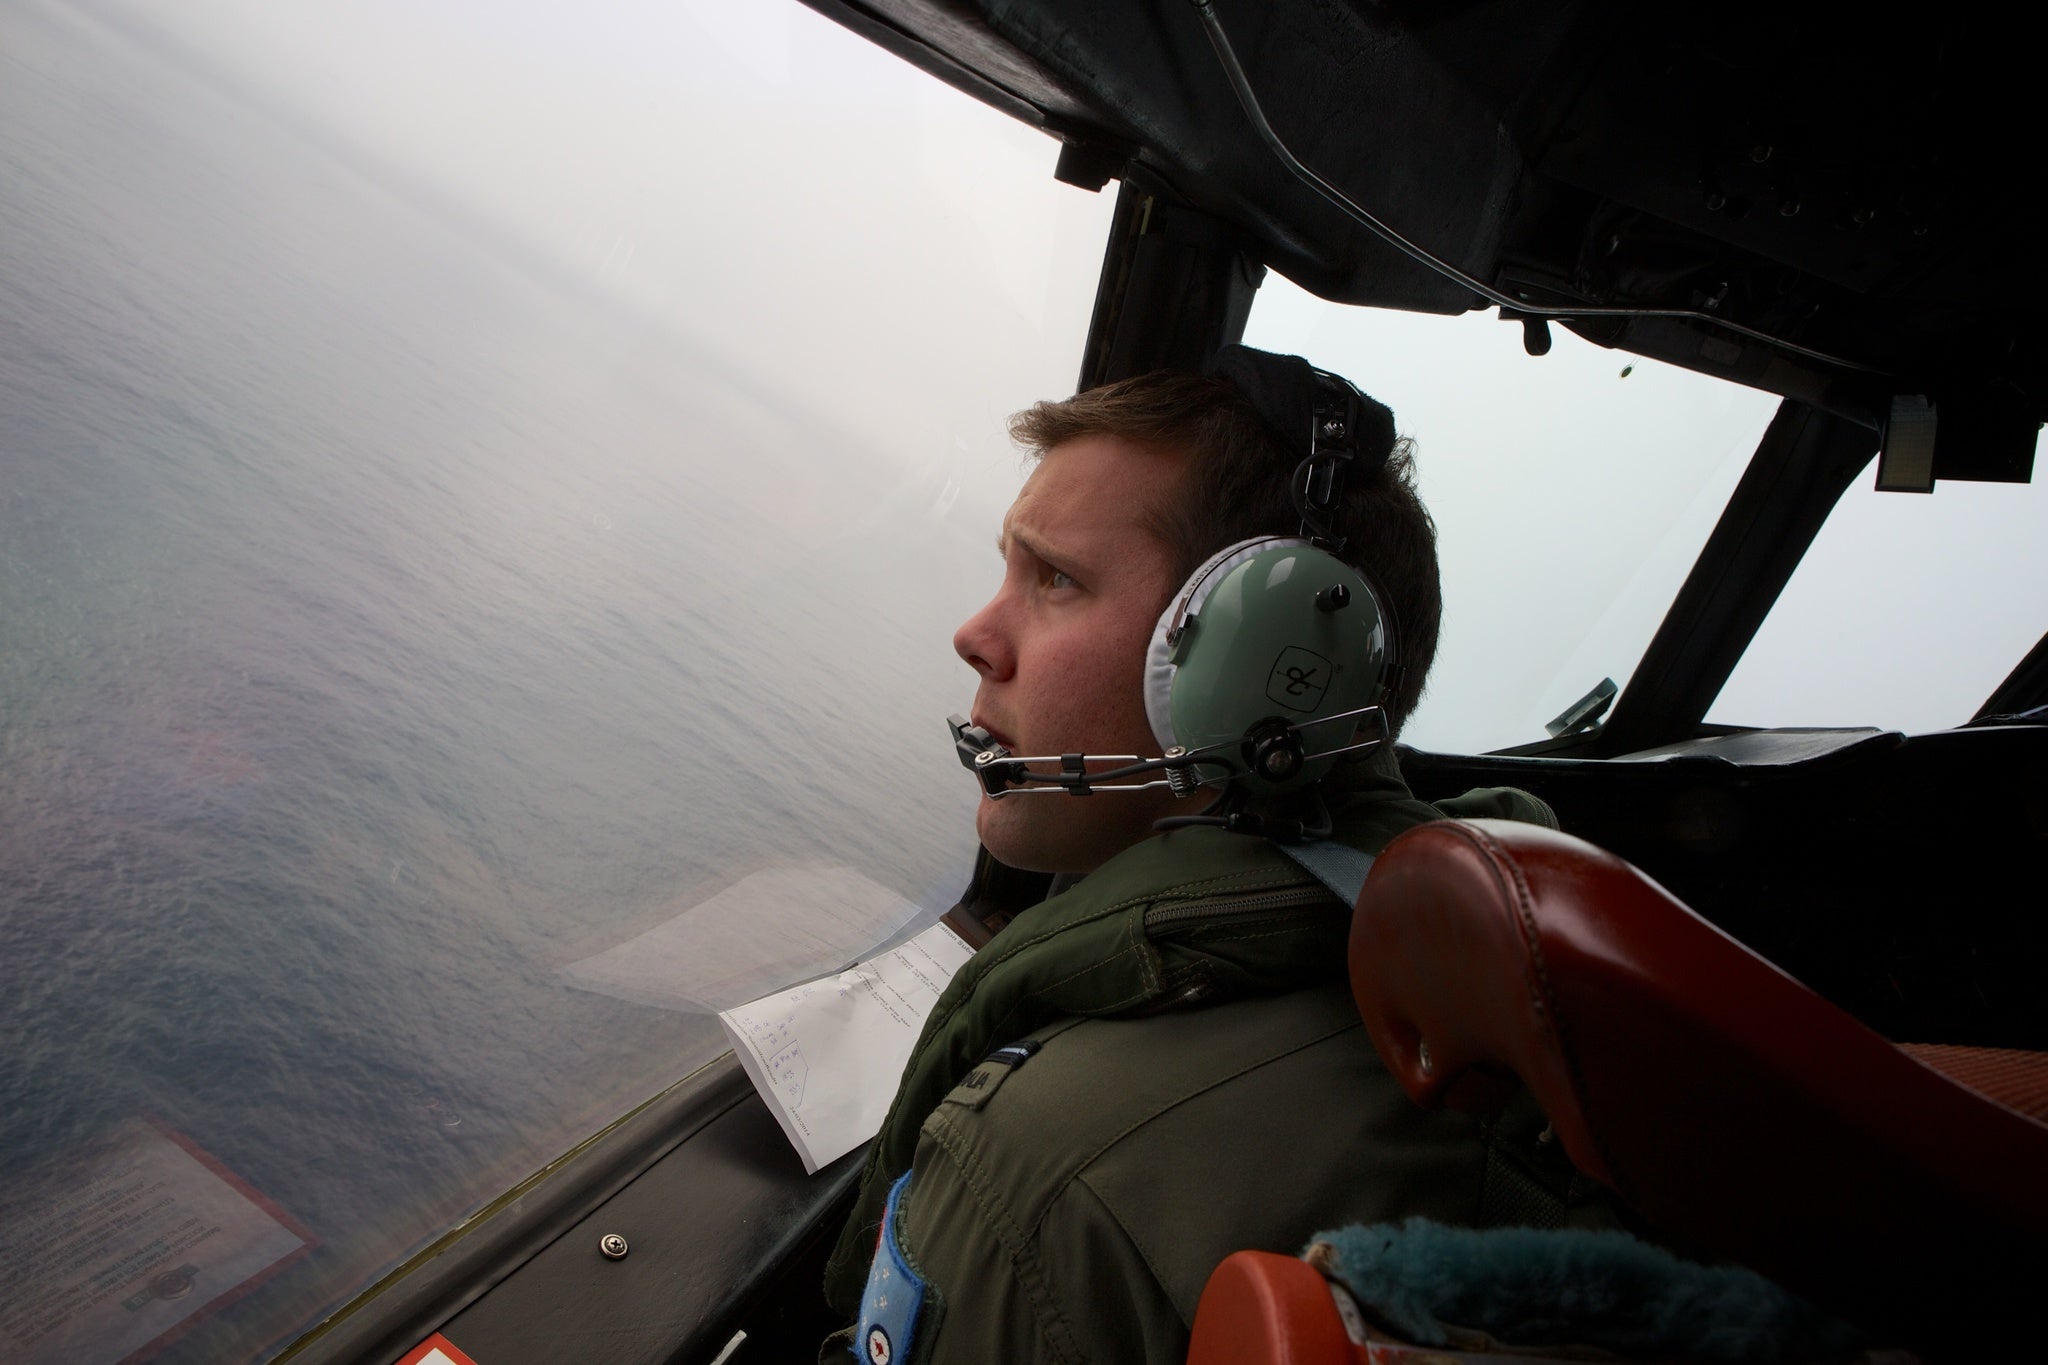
1834,183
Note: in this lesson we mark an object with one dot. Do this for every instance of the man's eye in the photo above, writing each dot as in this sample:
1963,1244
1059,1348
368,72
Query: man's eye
1057,579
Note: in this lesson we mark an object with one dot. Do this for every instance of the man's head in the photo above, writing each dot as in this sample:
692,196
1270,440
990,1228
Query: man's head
1136,484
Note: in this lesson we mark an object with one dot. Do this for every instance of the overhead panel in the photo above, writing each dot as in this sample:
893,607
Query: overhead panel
1810,203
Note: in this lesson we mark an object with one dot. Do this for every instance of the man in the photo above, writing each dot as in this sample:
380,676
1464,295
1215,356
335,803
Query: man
1161,1064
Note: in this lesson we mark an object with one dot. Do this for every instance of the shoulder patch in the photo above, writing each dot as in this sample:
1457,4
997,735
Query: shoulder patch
977,1085
895,1294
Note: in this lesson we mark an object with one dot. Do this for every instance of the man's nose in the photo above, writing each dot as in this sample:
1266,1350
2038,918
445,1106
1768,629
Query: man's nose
985,644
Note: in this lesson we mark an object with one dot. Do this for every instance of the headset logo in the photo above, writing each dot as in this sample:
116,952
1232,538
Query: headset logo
1298,680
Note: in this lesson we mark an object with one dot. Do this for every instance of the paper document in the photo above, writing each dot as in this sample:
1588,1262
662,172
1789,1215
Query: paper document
109,1253
827,1055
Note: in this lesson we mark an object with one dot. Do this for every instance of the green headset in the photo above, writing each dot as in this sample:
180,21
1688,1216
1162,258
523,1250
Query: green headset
1276,642
1275,653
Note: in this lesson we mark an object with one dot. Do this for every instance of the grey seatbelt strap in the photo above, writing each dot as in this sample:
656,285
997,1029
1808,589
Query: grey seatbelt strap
1340,867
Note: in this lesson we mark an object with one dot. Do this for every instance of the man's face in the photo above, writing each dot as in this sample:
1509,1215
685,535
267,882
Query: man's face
1061,647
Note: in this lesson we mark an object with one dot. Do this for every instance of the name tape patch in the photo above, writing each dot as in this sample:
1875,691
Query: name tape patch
977,1085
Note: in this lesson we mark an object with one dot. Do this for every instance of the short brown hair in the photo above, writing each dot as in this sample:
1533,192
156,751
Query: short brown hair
1237,486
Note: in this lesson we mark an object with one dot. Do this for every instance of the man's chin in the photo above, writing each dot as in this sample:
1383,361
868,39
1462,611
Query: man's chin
995,824
1018,837
1052,833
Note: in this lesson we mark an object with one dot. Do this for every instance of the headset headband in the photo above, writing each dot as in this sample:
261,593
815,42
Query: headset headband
1346,429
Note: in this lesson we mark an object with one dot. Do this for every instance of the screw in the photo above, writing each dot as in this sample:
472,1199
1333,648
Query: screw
1861,216
1760,153
1716,202
1790,208
613,1246
984,758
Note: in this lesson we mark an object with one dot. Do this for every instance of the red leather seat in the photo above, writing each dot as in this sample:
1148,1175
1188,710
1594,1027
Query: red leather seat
1742,1115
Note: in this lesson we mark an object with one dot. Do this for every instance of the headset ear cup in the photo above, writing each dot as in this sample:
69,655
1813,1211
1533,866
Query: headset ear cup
1160,665
1159,672
1395,671
1268,655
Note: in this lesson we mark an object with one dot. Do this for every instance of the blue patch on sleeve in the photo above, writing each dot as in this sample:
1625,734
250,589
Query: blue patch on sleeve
888,1311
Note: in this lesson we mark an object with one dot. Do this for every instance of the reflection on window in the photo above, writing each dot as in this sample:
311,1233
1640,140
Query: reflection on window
1571,493
461,515
1906,613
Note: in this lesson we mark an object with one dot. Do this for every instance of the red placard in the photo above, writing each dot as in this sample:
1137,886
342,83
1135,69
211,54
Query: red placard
435,1350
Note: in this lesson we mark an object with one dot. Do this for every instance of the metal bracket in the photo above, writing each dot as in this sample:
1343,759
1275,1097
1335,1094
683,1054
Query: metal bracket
1905,462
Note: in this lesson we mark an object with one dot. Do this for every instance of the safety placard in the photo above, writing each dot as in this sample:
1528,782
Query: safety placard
126,1243
435,1350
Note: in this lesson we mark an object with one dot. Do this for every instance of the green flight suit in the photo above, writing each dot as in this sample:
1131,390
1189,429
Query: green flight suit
1203,1084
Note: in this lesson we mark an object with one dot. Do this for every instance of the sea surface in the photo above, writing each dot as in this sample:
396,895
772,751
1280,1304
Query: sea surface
386,626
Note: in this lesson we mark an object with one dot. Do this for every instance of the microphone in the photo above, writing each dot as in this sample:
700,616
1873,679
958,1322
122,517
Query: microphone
1272,748
1002,773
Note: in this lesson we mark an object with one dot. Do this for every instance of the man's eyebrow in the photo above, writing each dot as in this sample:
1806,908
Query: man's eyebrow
1031,546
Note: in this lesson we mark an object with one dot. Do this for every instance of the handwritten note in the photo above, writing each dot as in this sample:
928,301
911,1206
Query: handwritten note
826,1055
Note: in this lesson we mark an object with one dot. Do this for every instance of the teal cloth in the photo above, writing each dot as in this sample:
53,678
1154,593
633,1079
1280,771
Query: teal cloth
1572,1286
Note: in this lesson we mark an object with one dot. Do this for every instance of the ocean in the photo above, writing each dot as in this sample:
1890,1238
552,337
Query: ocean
385,627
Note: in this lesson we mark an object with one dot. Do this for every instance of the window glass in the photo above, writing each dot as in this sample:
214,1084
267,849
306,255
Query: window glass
1906,613
1571,492
484,495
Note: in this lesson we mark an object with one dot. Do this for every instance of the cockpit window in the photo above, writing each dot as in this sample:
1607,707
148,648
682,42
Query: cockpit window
1571,492
486,495
1906,613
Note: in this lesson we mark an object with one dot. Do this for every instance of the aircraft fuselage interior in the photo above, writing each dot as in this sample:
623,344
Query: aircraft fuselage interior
1819,206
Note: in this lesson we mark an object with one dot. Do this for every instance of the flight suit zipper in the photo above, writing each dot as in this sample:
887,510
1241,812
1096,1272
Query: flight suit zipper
1284,898
1165,917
